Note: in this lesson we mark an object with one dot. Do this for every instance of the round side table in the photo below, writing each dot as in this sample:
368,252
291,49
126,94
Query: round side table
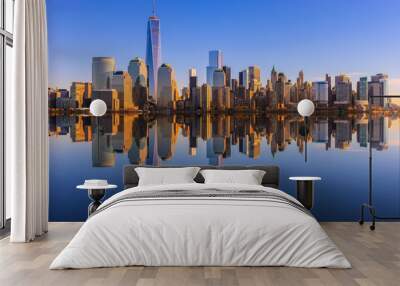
96,194
305,190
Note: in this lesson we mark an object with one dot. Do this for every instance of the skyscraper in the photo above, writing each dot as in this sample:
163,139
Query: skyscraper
362,88
378,86
320,92
102,70
219,79
192,80
138,71
227,71
274,77
214,62
121,81
153,53
81,92
244,78
343,89
254,77
166,88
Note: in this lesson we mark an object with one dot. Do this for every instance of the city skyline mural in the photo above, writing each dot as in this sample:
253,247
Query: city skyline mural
218,83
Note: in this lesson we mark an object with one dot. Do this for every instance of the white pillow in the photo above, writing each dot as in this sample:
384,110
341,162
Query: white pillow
166,176
248,177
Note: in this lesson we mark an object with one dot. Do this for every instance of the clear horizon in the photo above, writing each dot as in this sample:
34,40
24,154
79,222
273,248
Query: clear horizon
292,35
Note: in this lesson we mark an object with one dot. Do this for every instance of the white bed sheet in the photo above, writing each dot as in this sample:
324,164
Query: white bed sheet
200,232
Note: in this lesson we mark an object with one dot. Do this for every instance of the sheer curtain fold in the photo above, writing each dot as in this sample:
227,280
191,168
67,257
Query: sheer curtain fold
27,120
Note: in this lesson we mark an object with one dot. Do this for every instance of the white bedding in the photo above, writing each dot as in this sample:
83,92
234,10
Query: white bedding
200,231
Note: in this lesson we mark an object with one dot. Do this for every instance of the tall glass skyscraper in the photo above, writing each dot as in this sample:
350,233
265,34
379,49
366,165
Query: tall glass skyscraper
215,62
153,53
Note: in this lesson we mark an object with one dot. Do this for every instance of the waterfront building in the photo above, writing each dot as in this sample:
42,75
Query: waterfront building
281,92
244,78
234,84
378,86
185,94
166,87
319,93
294,93
65,103
81,92
274,77
214,62
140,95
227,71
121,81
219,79
288,88
300,79
137,69
102,70
196,98
328,79
153,54
343,88
109,96
192,80
362,89
254,77
205,98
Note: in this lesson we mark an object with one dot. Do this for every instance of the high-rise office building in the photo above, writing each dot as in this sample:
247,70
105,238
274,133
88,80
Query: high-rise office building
227,71
300,80
244,78
215,58
281,90
343,88
214,62
319,92
137,69
205,98
219,79
81,92
121,81
274,77
192,81
254,77
328,79
102,70
378,86
109,96
153,54
166,88
234,84
362,88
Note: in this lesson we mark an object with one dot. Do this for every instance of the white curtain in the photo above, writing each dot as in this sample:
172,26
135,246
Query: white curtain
26,124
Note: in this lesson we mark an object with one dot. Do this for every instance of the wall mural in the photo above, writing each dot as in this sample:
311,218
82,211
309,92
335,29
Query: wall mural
224,112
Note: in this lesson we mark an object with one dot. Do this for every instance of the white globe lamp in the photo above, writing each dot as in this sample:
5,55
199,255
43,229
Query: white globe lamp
98,107
305,108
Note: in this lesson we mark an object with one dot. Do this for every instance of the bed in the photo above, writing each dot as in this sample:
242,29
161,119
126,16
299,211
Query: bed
197,224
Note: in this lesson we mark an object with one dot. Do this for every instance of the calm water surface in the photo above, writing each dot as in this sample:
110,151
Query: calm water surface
337,150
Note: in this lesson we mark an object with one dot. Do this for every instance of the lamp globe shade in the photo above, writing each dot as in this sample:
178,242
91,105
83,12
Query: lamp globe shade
98,107
305,108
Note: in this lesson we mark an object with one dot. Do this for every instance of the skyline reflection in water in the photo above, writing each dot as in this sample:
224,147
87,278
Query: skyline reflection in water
83,147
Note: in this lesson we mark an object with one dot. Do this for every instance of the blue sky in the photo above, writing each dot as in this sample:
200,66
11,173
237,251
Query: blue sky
358,37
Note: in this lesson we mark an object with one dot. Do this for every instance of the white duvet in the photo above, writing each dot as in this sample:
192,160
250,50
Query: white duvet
200,231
